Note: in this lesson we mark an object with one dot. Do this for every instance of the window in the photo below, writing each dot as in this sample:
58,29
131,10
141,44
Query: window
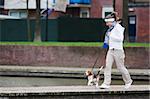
138,1
131,1
20,14
23,14
106,10
132,20
84,13
1,2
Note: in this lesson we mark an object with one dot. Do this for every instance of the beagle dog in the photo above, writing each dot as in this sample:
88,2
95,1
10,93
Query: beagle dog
92,78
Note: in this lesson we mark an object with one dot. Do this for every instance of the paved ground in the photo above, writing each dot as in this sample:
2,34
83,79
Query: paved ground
137,74
65,69
61,90
58,89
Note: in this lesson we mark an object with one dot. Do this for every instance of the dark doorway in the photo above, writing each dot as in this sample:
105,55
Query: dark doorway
1,2
1,6
132,28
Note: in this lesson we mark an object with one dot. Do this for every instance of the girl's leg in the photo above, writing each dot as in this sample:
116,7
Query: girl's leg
107,69
119,59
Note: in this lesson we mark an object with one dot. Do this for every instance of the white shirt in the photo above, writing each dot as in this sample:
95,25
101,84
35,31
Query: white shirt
116,37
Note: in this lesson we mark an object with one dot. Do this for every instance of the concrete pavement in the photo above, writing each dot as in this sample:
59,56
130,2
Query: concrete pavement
65,71
76,92
71,92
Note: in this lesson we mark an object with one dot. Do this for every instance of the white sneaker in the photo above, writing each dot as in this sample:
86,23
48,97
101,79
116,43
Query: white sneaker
104,86
128,85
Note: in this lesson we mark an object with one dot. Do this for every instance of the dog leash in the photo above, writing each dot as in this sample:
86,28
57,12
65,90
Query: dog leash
103,58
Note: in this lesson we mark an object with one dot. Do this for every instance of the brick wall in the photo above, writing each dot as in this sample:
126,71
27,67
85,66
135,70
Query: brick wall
96,7
142,26
67,56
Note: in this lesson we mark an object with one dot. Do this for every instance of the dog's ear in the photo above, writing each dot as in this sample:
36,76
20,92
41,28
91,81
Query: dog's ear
90,72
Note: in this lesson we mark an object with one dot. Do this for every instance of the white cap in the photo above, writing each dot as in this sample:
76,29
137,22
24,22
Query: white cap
109,19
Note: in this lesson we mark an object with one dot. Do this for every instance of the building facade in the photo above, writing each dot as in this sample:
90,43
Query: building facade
138,14
139,21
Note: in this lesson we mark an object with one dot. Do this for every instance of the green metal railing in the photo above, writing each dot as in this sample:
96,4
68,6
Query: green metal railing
61,29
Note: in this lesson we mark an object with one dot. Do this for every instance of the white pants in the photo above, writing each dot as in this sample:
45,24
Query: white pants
117,56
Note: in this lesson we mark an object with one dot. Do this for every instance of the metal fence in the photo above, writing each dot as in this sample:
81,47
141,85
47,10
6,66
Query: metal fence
61,29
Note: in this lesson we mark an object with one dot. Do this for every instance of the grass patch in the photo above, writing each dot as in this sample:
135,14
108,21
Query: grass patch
91,44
